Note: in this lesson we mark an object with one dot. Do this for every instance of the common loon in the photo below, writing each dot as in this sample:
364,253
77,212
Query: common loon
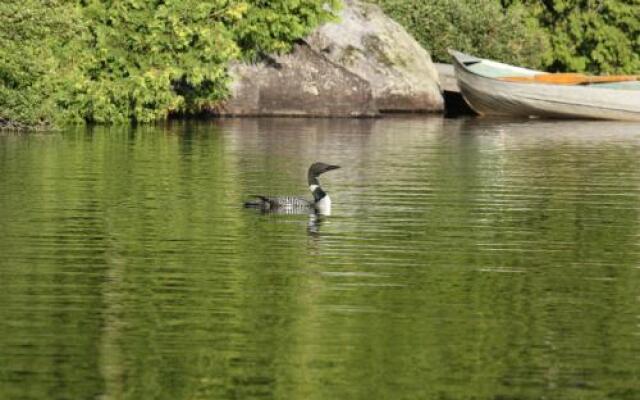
321,203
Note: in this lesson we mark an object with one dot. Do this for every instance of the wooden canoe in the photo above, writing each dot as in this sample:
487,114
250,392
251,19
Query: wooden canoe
493,88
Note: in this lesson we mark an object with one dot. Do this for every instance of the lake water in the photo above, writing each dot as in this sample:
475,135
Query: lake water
465,259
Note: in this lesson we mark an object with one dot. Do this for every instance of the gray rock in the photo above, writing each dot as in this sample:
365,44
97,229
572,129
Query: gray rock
370,44
302,83
448,81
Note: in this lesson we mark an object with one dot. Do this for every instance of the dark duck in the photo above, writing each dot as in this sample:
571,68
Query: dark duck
321,203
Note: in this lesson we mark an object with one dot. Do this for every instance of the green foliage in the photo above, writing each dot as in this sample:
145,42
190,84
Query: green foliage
560,35
114,61
273,25
34,41
481,27
146,59
594,36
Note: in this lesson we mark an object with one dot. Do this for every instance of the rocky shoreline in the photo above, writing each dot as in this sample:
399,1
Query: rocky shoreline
361,66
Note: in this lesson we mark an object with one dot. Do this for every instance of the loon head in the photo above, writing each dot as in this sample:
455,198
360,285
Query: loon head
318,168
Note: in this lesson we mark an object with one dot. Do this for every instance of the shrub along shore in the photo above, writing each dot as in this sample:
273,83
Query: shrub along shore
139,61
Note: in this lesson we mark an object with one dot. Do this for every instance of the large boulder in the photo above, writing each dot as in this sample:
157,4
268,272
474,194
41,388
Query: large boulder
363,64
302,83
373,46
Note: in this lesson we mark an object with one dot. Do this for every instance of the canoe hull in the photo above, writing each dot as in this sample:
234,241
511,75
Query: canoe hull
491,96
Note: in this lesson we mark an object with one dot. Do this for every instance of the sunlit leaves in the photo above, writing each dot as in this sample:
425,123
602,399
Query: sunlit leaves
564,35
482,28
595,36
114,61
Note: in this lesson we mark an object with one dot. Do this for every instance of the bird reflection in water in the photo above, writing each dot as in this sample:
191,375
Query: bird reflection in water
314,223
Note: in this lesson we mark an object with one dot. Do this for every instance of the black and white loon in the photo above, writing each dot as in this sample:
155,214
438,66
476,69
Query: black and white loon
321,203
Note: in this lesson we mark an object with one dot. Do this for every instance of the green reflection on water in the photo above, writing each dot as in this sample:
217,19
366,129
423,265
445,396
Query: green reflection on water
471,259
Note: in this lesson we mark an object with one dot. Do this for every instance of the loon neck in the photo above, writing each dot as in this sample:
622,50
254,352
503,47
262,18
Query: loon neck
318,193
313,179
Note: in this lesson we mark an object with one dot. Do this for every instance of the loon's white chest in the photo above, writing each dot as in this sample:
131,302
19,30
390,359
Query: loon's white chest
324,205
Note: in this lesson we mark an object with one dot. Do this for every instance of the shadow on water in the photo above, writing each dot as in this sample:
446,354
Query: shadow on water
467,258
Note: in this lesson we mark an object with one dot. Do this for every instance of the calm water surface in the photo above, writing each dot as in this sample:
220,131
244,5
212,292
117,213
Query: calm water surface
465,259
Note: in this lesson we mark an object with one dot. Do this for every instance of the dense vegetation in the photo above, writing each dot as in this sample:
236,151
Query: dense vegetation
35,37
111,61
481,27
595,36
561,35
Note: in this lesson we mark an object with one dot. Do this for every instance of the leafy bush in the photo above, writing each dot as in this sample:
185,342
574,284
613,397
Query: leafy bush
34,36
114,61
481,27
558,35
595,36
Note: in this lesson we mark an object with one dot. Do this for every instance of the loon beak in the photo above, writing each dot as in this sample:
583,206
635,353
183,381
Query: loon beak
330,167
